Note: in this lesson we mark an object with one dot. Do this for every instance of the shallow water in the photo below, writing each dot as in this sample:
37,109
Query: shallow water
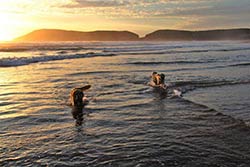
127,123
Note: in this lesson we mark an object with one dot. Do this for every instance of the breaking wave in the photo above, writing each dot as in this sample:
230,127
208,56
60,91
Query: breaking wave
20,61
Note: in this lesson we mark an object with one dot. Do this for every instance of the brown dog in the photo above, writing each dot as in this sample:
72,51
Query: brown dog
158,79
76,96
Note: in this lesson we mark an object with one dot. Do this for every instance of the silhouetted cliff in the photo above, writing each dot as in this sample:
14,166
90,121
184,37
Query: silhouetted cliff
63,35
177,35
159,35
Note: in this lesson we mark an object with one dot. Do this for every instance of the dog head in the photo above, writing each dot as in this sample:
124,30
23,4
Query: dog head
154,77
157,79
76,95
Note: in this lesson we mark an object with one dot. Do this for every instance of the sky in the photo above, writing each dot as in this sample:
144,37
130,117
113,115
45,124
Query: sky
18,17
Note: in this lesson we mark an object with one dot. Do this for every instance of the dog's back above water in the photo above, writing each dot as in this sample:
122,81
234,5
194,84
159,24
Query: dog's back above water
77,95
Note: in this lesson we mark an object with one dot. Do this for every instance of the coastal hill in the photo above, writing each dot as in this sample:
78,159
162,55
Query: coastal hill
64,35
159,35
176,35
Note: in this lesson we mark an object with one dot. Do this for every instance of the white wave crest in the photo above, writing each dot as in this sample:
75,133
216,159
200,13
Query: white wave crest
20,61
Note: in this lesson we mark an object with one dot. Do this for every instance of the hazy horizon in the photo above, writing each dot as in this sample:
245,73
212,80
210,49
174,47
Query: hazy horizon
23,16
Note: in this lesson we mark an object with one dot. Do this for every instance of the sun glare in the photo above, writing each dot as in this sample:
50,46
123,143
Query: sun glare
5,37
5,31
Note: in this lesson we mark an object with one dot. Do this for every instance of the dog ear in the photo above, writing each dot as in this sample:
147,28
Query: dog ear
85,87
153,73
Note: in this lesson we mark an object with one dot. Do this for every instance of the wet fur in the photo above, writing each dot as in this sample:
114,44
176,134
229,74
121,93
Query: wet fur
158,79
76,96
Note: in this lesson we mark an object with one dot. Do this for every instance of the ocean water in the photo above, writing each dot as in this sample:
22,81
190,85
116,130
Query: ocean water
126,122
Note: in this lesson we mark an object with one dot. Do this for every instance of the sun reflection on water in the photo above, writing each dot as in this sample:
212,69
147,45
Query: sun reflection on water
15,91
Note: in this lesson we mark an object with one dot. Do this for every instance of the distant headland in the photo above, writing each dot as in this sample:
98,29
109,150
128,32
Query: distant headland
65,35
44,35
178,35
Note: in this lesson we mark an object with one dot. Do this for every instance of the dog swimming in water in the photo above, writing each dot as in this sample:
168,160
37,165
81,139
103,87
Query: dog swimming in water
157,80
77,96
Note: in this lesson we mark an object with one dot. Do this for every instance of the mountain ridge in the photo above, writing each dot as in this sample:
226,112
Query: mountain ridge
43,35
216,34
71,35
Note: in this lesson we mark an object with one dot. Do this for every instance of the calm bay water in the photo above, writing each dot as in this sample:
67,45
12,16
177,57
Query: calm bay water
127,123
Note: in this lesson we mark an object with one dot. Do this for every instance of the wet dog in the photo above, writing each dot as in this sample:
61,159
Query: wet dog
77,96
157,80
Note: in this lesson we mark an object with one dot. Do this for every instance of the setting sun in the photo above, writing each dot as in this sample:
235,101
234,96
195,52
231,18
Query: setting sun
12,26
6,34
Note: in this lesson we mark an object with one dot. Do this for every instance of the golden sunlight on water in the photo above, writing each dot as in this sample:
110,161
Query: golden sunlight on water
11,115
17,91
127,123
6,91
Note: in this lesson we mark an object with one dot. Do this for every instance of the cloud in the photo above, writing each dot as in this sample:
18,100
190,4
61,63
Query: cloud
207,11
217,23
131,14
94,3
125,3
